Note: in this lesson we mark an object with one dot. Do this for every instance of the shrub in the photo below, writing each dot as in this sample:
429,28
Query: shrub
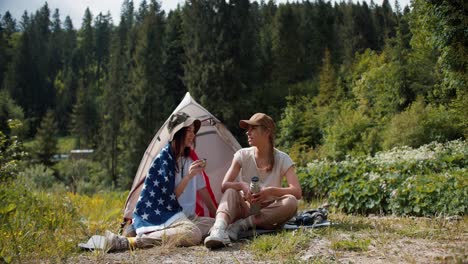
40,176
421,124
394,181
11,153
347,135
432,194
83,176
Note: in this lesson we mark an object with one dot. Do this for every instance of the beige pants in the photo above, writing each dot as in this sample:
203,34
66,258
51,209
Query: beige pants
203,223
272,215
180,233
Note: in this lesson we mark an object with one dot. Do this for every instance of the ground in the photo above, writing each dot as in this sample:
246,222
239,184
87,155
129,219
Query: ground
353,239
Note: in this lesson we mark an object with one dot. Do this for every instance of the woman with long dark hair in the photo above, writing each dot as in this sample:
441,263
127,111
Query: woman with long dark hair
166,203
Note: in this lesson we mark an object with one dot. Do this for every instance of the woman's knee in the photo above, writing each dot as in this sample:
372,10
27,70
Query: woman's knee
231,192
290,204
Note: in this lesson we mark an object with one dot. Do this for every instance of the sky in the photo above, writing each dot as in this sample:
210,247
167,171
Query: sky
75,8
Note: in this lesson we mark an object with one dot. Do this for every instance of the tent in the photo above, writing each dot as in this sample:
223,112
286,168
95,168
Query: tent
214,143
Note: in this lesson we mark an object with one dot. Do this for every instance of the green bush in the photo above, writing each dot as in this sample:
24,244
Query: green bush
82,176
348,135
421,124
394,181
12,153
40,176
432,194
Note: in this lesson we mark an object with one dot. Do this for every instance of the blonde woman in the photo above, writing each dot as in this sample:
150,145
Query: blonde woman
278,204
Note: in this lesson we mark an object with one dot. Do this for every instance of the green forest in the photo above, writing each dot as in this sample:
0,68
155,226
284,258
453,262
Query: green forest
346,79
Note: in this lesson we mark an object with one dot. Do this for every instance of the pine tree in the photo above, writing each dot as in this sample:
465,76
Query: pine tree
174,60
87,49
103,28
66,83
327,82
85,119
46,139
288,48
20,73
218,71
145,99
113,108
56,46
8,24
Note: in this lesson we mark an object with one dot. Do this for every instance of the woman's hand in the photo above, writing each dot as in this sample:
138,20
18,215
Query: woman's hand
262,195
245,188
195,168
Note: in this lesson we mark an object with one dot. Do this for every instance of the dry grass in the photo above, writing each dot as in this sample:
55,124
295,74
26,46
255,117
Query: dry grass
352,239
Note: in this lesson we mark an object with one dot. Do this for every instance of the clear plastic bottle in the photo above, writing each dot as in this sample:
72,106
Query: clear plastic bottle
254,188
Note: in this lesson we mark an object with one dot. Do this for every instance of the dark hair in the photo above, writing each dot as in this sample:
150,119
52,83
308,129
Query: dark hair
177,143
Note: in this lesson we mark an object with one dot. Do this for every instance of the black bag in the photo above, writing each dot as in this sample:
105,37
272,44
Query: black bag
310,217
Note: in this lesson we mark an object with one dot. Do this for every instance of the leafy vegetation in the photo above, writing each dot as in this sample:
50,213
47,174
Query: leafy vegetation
429,180
42,226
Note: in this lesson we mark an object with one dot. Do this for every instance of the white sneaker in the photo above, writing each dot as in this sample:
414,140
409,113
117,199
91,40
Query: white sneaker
236,227
217,238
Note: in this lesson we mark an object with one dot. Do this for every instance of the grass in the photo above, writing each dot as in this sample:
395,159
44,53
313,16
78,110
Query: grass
46,227
281,247
395,239
351,245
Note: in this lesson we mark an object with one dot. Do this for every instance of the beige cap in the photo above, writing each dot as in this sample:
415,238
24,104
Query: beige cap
259,119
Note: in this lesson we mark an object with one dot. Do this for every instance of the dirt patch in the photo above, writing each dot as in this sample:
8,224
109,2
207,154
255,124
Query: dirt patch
355,240
196,254
404,250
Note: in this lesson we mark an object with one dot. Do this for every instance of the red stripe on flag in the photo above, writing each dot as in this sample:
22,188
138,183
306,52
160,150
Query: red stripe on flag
199,210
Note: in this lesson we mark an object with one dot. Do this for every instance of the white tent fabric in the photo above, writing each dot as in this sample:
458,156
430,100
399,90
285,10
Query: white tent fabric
214,142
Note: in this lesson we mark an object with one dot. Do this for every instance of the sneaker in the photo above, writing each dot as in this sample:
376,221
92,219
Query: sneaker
114,242
217,238
236,227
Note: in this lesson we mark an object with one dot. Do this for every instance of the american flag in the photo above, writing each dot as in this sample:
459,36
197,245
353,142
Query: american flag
158,202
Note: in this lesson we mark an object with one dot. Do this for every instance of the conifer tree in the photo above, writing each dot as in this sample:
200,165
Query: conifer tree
145,99
84,118
113,108
103,27
327,82
46,139
216,41
174,60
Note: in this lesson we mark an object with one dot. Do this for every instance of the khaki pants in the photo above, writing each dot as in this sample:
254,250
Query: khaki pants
182,232
272,215
203,223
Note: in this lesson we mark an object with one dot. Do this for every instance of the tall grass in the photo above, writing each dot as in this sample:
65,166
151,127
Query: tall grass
38,226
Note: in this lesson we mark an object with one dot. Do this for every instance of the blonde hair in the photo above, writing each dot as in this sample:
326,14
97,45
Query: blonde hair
271,153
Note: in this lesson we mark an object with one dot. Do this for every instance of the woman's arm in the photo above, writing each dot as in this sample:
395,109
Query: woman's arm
294,188
228,181
195,168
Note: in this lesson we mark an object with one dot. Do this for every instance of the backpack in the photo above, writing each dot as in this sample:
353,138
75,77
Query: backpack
310,217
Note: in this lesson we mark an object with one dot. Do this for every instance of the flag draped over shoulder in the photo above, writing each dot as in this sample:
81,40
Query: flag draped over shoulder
199,210
157,206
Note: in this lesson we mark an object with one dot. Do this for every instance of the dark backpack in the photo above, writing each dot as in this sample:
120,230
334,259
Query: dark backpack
310,217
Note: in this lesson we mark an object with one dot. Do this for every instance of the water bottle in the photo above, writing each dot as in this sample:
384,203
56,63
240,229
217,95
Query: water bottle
254,188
